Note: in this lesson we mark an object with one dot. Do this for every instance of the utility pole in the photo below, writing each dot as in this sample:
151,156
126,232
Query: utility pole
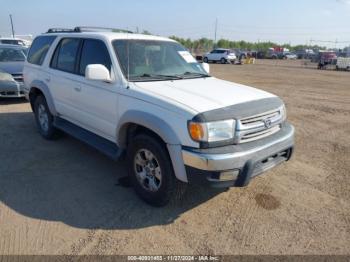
13,31
216,29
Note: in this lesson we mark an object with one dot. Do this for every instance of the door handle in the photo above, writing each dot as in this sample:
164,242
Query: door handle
77,88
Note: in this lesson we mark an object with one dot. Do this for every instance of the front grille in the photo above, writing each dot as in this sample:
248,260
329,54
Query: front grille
18,77
259,126
260,134
11,93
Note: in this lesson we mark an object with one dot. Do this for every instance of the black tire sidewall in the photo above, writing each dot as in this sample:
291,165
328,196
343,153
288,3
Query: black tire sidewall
40,100
166,190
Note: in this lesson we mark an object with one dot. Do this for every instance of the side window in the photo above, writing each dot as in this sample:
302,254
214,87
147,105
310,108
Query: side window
39,48
65,55
94,52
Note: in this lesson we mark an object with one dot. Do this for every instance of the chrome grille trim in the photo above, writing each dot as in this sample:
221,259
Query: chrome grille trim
18,77
254,127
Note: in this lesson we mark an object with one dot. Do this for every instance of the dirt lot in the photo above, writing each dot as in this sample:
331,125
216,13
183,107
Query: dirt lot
63,197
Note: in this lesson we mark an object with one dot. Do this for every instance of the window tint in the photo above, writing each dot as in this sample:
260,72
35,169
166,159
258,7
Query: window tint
94,52
39,49
67,53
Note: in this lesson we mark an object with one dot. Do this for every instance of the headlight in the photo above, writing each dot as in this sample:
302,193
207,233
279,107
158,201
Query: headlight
212,131
5,76
283,112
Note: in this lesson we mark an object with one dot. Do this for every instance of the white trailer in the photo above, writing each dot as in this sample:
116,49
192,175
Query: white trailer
343,63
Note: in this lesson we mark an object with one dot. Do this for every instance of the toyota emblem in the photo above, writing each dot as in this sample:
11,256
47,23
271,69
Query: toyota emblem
267,123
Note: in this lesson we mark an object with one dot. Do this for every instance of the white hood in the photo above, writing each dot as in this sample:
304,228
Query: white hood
203,94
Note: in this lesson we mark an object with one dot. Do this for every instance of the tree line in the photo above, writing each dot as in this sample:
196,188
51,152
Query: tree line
205,45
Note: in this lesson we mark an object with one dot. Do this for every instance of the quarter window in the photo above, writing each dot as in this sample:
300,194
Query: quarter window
39,48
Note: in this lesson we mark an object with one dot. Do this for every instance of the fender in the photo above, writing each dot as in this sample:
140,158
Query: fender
46,91
161,128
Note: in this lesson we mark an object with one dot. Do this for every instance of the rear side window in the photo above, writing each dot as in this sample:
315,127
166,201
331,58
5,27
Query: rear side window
94,52
39,49
65,55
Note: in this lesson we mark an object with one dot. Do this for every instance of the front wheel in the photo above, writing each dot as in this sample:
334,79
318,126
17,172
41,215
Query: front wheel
223,61
151,171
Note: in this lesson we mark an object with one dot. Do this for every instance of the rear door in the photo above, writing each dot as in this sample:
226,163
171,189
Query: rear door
62,76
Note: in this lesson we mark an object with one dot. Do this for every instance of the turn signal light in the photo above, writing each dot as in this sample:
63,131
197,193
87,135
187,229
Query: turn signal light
196,131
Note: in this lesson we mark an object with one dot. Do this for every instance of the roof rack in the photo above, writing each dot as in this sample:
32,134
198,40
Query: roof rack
80,29
60,30
101,29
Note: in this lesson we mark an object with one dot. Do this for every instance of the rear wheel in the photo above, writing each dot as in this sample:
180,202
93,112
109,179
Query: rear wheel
151,171
44,118
205,60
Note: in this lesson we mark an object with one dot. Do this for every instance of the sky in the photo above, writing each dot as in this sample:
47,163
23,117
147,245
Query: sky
324,22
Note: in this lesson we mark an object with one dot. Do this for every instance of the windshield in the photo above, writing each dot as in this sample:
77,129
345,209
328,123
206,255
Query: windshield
11,55
156,60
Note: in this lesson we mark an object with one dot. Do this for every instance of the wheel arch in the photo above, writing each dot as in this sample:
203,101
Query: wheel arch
40,88
134,122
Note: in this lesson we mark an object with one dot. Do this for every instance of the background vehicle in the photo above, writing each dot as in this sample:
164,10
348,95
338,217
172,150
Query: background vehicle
289,55
12,59
343,63
146,97
14,41
220,55
326,58
305,53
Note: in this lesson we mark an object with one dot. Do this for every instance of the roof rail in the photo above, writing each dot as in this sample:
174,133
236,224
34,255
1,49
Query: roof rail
100,29
60,30
80,29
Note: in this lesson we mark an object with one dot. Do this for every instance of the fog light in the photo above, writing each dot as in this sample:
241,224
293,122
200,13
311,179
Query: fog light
229,175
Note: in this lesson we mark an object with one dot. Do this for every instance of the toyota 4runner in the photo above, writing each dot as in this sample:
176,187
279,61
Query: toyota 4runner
146,98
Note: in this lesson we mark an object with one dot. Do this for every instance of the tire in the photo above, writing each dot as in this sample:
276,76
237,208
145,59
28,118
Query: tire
44,119
151,171
223,61
205,60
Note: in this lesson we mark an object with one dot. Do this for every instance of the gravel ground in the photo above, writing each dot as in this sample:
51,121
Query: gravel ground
63,197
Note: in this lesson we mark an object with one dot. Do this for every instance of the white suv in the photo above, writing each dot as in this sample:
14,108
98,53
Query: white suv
146,98
220,55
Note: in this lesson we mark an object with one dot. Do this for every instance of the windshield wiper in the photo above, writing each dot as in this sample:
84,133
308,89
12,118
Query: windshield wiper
159,76
195,74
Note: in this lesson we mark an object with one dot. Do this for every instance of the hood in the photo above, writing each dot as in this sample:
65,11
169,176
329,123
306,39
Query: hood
203,94
12,67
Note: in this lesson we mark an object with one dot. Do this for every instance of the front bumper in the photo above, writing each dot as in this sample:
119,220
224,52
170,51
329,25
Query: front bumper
11,89
243,161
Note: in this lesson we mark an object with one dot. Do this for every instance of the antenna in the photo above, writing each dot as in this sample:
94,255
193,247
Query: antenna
216,29
13,31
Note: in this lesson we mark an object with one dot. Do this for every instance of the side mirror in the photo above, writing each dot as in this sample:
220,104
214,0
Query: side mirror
206,67
97,72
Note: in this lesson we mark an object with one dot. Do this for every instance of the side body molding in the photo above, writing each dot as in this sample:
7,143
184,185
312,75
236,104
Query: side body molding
158,126
45,90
